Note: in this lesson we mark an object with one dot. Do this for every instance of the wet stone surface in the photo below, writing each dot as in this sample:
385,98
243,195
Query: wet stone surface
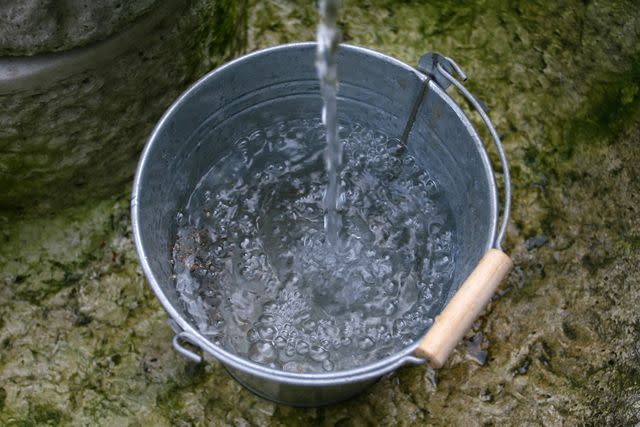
83,340
29,27
74,136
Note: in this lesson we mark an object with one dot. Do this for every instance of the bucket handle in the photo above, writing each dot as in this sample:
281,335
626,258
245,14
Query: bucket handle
455,320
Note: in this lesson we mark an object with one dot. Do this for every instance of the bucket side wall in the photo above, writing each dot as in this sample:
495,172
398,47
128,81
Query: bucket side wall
448,147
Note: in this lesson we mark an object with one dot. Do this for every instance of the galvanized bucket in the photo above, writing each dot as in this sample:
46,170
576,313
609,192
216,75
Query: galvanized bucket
375,89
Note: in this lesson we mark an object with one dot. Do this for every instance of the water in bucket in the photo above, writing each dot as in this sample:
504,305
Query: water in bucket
257,274
308,268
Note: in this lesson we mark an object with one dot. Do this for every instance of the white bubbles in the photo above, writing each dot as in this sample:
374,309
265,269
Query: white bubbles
262,352
267,332
290,351
318,353
390,308
280,342
328,365
293,366
366,343
180,218
253,268
302,347
253,335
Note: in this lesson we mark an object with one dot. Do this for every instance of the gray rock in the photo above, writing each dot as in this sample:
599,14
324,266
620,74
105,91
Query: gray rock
28,27
73,132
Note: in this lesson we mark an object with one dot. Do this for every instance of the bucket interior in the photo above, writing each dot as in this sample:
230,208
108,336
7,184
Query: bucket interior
274,85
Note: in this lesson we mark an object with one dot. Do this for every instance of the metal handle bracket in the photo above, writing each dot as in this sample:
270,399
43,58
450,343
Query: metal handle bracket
428,64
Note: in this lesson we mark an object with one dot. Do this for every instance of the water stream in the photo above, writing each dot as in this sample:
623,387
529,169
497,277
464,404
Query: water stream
328,42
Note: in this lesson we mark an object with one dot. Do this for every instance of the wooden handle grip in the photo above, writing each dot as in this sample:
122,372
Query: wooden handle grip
463,309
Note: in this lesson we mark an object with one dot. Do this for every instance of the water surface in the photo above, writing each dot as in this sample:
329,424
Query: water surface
257,273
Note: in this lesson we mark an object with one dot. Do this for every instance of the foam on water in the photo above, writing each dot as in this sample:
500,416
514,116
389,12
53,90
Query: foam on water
256,273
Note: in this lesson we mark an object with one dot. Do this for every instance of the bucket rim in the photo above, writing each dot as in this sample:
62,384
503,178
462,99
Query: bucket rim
362,373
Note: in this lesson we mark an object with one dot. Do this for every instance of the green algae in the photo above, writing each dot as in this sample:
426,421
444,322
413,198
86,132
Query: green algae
84,341
613,109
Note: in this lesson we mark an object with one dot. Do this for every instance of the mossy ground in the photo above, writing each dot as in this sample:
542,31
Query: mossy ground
83,340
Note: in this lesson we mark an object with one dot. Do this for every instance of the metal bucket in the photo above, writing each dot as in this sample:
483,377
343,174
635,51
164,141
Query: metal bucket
266,86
